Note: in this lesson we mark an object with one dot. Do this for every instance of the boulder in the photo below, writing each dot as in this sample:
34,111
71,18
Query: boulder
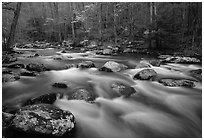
155,62
28,73
82,94
122,89
128,50
143,64
146,74
59,85
86,64
35,67
180,59
43,119
8,59
176,83
112,66
107,52
46,98
7,72
6,119
10,77
68,66
16,65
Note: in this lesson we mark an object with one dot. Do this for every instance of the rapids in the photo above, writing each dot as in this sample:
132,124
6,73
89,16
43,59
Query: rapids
154,111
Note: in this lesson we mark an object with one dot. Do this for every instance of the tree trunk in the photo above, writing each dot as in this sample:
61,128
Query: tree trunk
100,21
57,20
13,26
72,22
115,31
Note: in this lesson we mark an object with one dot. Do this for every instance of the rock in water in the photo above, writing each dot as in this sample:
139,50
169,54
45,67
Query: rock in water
10,77
28,73
176,83
35,67
107,52
86,64
82,94
6,119
143,64
8,59
16,65
59,85
43,119
146,74
46,98
112,66
156,63
122,89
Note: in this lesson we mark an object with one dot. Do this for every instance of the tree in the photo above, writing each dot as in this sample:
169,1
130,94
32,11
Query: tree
11,37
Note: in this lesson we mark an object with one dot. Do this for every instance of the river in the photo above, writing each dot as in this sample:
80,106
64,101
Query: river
154,111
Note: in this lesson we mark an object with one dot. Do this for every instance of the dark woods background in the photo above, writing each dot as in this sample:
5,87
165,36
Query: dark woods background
167,25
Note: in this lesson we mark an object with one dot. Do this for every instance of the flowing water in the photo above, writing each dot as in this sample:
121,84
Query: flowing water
154,110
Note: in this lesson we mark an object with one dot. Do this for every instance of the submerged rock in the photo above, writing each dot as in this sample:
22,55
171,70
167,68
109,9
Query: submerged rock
122,89
176,83
146,74
112,66
43,119
46,98
82,94
59,85
16,65
10,77
86,64
35,67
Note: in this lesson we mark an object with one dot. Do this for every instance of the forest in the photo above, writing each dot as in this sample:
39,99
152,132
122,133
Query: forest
102,69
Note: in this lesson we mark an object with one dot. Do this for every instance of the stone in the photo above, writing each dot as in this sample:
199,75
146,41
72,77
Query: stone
82,94
43,119
180,59
35,67
146,74
143,64
7,72
86,64
16,65
155,62
107,52
46,98
6,119
112,66
10,77
59,85
28,73
8,59
122,89
176,83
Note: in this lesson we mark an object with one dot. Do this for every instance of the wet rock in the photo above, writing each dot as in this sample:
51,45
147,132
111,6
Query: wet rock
156,63
35,67
82,94
10,77
57,57
86,64
143,64
68,66
112,66
146,74
122,89
8,59
28,73
164,56
179,59
63,51
107,52
43,119
46,98
59,85
7,72
6,119
176,83
128,50
16,65
196,72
